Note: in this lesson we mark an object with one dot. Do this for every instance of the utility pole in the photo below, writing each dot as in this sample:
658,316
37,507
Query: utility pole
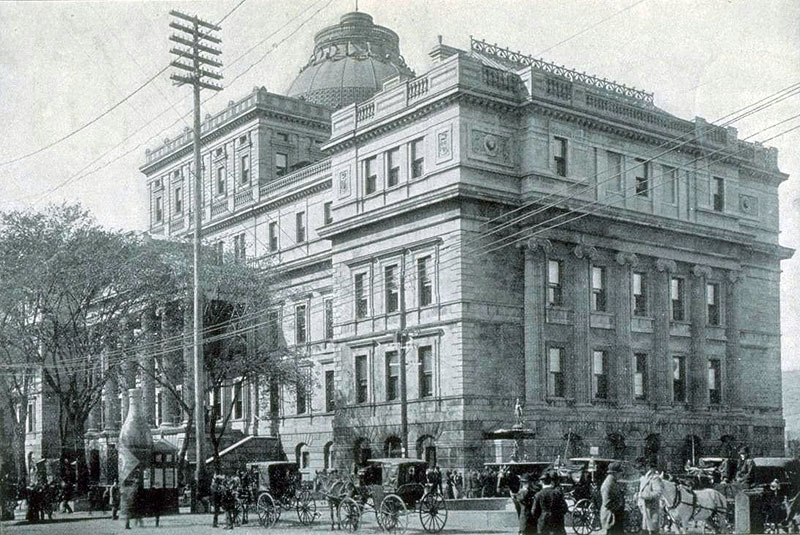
194,38
401,340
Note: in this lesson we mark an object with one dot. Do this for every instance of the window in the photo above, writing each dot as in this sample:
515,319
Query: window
424,281
392,294
554,283
718,194
639,294
598,289
243,140
555,379
159,209
599,375
642,178
300,226
329,319
679,379
301,399
238,401
178,205
417,158
300,324
362,383
370,175
615,175
327,215
273,236
676,292
560,155
425,356
714,382
281,163
640,376
159,403
360,292
283,137
392,167
31,416
245,169
273,327
220,181
330,391
712,303
239,250
219,251
392,375
216,405
670,179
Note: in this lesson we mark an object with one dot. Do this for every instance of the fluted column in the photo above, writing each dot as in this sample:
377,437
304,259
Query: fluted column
128,365
580,378
733,353
111,391
254,406
662,363
698,362
623,346
187,390
535,385
171,362
147,366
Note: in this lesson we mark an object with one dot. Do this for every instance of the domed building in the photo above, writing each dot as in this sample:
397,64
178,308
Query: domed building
350,63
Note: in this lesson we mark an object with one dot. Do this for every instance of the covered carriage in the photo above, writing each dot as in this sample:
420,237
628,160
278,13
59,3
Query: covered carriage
280,488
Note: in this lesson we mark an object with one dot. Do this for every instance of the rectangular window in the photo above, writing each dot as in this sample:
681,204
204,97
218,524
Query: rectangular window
329,319
239,248
281,163
392,375
555,373
679,379
424,281
425,356
238,401
676,292
273,327
639,294
554,283
642,178
640,376
370,175
362,382
245,169
615,176
178,205
220,181
670,179
560,155
392,294
300,226
327,215
31,417
392,168
159,402
714,382
417,158
598,289
712,303
330,391
599,375
301,398
273,236
718,194
360,292
300,324
283,137
219,252
159,209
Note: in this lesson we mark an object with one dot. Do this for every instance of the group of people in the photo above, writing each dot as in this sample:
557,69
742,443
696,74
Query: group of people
541,507
227,491
42,496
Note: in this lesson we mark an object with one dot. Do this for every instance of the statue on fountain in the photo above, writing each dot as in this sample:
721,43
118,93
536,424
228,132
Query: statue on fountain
518,414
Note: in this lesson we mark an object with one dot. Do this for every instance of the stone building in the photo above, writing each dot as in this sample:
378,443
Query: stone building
506,229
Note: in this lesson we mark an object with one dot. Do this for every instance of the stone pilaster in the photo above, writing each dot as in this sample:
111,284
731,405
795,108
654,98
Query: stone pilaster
623,375
733,351
147,365
662,362
535,386
580,378
698,361
254,406
171,361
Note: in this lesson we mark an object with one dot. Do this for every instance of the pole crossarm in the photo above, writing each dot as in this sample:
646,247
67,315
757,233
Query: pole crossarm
181,80
194,20
191,31
191,44
182,53
201,72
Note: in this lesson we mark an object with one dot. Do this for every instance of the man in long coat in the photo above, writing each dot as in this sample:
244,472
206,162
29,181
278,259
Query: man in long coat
649,498
549,507
612,508
523,501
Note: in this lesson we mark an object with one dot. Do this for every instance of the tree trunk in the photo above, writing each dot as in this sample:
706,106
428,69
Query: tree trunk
73,448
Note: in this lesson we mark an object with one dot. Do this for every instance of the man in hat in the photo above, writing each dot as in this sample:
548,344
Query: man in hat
523,501
744,470
549,506
649,498
612,508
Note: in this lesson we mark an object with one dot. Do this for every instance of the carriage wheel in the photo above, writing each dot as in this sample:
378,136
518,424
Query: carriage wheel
268,513
392,514
633,520
306,507
718,523
349,513
583,517
433,512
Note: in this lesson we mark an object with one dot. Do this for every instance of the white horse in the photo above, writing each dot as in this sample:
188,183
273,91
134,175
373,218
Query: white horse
685,505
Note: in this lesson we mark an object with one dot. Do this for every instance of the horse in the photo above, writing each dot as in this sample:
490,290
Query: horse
684,505
335,489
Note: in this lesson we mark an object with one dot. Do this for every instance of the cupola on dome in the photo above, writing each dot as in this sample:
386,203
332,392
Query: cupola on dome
350,63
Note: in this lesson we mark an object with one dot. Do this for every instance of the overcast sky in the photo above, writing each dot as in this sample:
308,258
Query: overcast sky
64,63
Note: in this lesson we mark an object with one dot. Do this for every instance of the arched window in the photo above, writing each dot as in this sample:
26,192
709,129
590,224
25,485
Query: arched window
303,456
393,447
327,452
616,445
362,451
426,449
652,448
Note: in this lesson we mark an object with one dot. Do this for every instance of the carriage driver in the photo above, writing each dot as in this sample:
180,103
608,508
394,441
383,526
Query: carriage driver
744,470
649,498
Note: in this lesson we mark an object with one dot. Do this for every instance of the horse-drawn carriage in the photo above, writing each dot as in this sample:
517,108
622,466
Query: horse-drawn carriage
280,488
394,489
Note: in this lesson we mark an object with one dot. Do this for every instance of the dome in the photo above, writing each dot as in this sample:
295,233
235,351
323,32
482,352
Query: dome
350,63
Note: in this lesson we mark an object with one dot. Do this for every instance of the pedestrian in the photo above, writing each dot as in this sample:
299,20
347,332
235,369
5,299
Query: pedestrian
111,497
217,490
612,507
459,485
523,502
229,501
648,499
66,496
549,506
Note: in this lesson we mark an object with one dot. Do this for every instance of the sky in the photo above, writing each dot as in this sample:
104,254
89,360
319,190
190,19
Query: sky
63,64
